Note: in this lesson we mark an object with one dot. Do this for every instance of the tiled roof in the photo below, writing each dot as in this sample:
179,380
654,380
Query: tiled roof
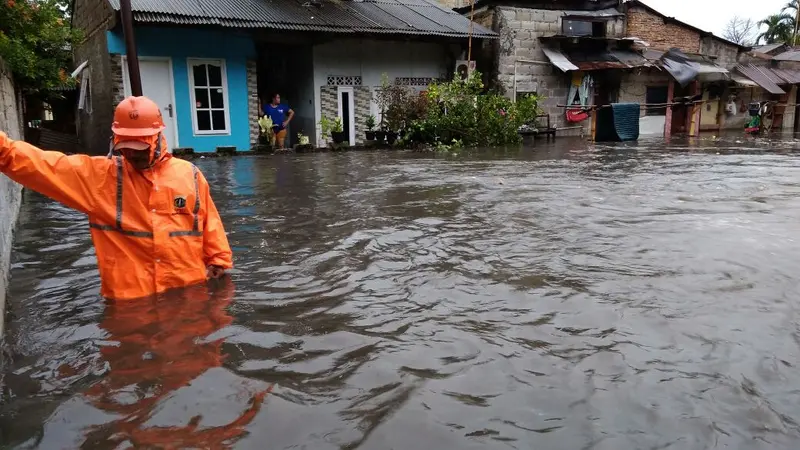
402,17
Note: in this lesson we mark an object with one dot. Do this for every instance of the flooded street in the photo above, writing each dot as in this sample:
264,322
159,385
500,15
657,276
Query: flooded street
610,298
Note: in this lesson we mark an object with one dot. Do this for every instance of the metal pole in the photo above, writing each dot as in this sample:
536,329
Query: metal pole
130,48
471,19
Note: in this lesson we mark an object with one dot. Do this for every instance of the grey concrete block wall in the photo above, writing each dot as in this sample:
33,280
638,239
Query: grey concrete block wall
10,192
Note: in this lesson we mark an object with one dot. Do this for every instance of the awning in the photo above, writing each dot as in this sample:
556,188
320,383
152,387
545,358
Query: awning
559,60
761,78
788,75
593,60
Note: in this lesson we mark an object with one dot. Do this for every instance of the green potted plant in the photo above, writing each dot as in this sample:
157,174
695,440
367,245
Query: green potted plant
370,123
337,131
325,127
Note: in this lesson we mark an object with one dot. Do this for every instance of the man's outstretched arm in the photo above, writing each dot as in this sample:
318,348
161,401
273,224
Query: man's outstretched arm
72,180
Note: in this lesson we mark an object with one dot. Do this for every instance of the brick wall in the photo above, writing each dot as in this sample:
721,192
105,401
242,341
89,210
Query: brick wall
253,108
662,36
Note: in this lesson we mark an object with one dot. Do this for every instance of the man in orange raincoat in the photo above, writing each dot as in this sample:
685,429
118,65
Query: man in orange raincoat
153,223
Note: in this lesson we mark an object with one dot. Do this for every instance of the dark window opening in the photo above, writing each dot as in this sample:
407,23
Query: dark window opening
658,95
346,114
583,28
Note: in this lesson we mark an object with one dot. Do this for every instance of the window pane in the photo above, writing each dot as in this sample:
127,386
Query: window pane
219,120
656,95
216,98
204,120
199,72
576,28
214,75
201,97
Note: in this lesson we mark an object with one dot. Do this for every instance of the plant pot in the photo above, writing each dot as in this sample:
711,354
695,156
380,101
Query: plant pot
338,136
391,137
380,136
370,135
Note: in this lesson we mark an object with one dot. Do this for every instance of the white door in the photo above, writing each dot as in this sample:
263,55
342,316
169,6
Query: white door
157,86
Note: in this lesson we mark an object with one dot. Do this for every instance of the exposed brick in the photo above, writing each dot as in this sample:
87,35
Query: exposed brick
663,36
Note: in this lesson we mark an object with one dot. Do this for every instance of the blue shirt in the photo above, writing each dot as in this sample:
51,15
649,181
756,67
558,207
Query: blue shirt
277,114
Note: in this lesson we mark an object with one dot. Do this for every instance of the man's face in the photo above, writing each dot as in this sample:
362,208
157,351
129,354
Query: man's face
139,159
276,100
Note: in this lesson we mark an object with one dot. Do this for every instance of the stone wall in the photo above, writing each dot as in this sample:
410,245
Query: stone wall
10,192
660,35
329,107
253,108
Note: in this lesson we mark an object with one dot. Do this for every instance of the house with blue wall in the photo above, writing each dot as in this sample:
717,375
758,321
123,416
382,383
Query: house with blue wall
211,67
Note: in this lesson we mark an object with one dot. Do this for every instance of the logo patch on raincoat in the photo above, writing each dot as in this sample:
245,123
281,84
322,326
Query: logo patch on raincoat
180,202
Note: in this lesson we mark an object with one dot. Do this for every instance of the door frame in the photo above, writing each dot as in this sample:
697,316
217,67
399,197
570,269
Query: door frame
127,90
351,133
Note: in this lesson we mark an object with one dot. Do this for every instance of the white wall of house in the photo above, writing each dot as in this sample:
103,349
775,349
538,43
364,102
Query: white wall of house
370,59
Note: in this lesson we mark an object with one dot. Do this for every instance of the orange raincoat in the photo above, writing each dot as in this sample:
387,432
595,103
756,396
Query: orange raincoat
153,230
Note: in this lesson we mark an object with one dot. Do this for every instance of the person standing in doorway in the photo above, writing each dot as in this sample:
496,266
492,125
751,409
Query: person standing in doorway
281,115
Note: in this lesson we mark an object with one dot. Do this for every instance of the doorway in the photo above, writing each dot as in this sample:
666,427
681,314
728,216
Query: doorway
157,85
347,112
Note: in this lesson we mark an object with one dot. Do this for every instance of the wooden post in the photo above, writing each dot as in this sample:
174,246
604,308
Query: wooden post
694,117
668,118
130,48
594,124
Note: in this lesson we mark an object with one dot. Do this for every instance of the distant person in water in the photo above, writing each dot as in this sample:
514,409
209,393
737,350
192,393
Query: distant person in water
281,115
153,223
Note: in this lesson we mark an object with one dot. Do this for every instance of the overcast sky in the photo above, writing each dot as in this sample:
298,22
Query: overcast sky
712,15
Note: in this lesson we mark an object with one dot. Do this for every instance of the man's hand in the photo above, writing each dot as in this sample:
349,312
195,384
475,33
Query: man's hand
285,123
214,272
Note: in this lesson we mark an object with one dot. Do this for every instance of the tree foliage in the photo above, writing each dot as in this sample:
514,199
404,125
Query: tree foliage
36,41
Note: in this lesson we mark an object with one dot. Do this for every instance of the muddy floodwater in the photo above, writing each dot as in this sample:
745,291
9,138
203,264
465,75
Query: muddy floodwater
636,296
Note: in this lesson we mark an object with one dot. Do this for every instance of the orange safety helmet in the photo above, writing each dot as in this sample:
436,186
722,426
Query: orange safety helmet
137,116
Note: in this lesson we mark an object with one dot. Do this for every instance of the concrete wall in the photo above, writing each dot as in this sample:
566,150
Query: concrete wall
10,192
94,128
633,88
726,54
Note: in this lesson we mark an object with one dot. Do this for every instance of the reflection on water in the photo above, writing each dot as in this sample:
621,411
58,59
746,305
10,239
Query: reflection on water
618,297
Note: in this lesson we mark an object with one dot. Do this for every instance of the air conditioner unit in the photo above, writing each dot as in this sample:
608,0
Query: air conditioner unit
464,69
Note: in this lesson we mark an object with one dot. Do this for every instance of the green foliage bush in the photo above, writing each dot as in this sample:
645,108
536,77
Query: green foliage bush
458,111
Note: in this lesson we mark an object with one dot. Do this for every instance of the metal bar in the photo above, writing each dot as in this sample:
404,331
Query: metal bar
130,48
471,24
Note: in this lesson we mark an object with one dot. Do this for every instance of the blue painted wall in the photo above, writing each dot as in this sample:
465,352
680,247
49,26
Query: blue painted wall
183,43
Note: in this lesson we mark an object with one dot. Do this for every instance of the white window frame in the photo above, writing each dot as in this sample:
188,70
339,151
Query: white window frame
351,133
190,64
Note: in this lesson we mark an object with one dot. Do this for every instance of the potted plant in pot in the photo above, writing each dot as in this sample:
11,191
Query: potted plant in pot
337,132
370,123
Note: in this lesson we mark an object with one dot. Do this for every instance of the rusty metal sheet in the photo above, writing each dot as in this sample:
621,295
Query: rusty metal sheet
759,77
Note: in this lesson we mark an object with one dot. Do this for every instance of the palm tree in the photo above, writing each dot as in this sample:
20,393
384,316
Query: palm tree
779,29
792,10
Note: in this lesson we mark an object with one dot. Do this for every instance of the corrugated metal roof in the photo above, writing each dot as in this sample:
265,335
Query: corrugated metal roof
602,13
406,17
593,60
761,78
791,55
787,75
768,48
